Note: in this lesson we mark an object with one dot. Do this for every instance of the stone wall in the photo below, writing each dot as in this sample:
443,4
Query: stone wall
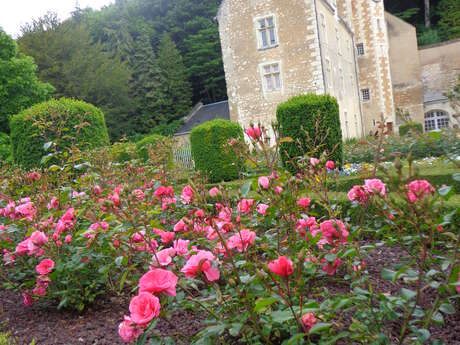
374,66
405,68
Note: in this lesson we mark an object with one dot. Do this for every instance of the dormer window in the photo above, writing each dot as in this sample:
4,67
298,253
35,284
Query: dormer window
267,32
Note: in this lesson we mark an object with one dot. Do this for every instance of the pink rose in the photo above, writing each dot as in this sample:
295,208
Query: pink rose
180,226
201,262
54,203
358,193
330,165
375,187
213,192
38,238
262,209
308,320
27,299
181,247
418,189
163,257
282,266
97,190
45,266
314,161
242,240
157,281
334,230
244,206
68,239
39,291
128,331
167,236
139,194
331,268
26,211
144,308
264,182
278,190
187,195
253,132
303,202
23,247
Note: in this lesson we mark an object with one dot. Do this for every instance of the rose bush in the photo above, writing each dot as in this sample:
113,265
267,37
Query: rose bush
276,262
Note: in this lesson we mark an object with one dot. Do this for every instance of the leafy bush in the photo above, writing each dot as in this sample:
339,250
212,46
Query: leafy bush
410,127
65,123
121,152
5,147
144,144
313,122
210,150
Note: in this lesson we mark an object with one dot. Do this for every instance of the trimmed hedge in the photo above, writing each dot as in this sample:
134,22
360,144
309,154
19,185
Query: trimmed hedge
65,122
409,127
317,115
143,144
210,155
5,147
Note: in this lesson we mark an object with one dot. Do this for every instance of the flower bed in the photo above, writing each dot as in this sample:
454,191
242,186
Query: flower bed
271,265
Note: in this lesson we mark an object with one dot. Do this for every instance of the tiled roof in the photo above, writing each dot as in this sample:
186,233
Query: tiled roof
208,112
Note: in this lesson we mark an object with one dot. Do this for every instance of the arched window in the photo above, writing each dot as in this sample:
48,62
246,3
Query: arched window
436,120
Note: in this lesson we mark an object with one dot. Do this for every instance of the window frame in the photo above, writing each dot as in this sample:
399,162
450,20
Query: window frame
437,116
272,74
360,48
260,30
364,100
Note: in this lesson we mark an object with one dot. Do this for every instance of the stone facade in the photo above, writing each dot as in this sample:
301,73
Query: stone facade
296,53
405,68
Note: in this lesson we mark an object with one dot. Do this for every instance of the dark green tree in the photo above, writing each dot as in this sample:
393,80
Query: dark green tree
19,86
449,22
172,99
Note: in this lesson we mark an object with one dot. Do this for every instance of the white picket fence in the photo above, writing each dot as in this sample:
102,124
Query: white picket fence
183,156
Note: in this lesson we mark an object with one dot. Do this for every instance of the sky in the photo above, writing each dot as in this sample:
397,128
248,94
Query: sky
14,13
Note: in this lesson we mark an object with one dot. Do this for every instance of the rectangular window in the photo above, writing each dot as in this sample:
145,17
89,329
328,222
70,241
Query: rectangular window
365,95
267,32
271,77
360,48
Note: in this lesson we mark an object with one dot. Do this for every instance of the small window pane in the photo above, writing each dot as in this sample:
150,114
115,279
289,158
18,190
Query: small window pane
277,81
262,23
264,38
270,21
269,82
272,36
267,69
360,48
275,68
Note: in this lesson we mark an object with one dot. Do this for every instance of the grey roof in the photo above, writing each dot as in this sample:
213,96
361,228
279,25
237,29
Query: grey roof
434,96
204,113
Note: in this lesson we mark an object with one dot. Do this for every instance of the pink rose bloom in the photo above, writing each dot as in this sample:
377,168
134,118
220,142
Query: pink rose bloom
181,247
34,176
262,208
308,320
330,165
53,204
38,238
163,191
139,194
45,267
27,299
314,161
303,202
66,222
201,262
97,190
241,240
39,291
253,132
244,206
128,331
282,266
331,268
144,308
278,190
418,189
358,193
158,281
199,213
375,187
213,192
264,182
334,230
26,210
167,236
180,226
23,247
68,239
163,257
187,195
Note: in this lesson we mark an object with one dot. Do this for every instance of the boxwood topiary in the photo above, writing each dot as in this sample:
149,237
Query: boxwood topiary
5,147
65,122
143,144
209,152
409,127
309,120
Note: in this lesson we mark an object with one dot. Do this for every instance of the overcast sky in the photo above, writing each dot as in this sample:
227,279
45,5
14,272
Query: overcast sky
14,13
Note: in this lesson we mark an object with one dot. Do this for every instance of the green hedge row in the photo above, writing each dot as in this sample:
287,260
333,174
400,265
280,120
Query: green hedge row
5,147
310,120
210,153
409,127
65,122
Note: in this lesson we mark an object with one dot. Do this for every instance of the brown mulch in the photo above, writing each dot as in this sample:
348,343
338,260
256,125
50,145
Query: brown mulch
98,324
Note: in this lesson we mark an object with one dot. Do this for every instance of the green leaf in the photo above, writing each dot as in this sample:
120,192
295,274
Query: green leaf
447,308
388,274
456,177
47,145
437,318
246,188
423,335
296,339
408,294
235,329
281,316
262,304
320,327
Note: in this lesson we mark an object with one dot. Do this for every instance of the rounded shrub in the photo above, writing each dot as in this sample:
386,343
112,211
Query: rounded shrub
409,127
144,144
313,123
5,147
210,153
122,152
64,122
